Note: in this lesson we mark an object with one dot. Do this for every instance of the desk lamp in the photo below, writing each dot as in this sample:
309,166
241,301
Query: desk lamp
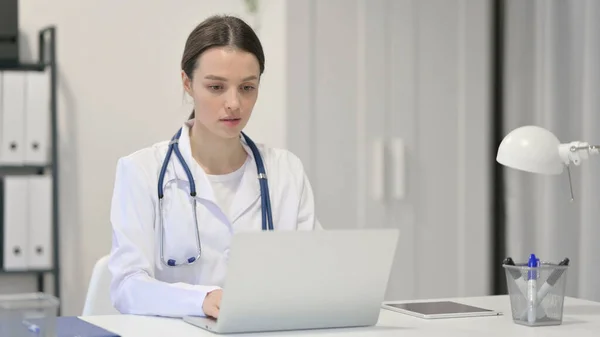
534,149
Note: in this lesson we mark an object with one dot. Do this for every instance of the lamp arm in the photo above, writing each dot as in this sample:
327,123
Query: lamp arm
595,149
573,153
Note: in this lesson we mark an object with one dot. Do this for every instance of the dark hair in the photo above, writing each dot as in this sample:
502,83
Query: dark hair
217,31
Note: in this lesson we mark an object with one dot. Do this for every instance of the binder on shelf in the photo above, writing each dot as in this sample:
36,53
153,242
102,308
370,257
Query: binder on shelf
12,112
14,223
37,118
39,220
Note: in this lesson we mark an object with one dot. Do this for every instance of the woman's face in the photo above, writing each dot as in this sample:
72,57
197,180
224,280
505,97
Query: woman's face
224,88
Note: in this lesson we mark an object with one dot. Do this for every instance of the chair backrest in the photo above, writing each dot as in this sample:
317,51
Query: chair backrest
97,301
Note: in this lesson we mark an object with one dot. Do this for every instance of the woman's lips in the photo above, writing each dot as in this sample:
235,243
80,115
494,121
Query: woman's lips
230,121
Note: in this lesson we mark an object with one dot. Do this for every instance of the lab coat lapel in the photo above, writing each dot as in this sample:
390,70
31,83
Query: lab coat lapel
203,187
249,189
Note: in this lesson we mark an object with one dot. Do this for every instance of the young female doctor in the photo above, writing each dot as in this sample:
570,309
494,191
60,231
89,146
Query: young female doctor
176,204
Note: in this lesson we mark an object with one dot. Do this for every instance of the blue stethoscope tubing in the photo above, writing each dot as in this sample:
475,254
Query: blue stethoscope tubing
267,217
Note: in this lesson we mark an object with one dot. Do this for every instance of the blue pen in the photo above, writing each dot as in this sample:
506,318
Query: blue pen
532,288
31,327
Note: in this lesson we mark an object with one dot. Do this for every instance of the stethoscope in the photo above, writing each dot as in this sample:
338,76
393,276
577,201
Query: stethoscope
267,218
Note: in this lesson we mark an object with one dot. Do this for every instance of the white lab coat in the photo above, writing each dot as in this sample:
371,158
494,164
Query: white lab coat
141,283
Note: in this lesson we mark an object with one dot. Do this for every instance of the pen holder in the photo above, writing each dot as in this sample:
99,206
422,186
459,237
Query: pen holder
27,315
536,293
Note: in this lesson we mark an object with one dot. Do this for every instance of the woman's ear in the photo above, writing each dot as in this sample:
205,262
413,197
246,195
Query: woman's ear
187,83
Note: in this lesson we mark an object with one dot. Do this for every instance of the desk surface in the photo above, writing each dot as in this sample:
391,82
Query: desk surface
581,318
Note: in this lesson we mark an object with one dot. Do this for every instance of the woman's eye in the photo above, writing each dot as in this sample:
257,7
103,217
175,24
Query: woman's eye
215,87
248,88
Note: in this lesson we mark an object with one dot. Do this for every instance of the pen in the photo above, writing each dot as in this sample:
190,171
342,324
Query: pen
31,327
531,288
545,288
514,273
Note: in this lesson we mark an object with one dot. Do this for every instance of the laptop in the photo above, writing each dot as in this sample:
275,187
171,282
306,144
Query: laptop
298,280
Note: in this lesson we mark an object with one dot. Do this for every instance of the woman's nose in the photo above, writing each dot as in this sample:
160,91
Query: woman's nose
233,101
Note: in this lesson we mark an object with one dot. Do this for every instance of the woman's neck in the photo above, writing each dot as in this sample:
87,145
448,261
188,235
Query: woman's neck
214,154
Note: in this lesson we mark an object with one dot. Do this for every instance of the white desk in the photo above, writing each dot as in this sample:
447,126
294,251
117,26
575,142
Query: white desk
581,318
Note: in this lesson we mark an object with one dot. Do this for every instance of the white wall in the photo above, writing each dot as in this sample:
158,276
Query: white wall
552,80
118,64
387,70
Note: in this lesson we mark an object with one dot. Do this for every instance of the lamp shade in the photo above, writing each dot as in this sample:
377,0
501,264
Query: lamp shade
531,149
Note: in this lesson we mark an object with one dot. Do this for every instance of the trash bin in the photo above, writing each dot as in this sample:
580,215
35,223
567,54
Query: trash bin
536,293
28,314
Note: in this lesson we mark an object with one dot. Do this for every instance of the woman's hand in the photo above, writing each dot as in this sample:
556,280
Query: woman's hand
212,303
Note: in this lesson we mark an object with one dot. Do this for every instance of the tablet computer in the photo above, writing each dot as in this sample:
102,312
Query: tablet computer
439,309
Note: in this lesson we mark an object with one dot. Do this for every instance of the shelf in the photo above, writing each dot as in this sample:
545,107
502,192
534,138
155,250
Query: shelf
46,60
22,66
22,169
29,271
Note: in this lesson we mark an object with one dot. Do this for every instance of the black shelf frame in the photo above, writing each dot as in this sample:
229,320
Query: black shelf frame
498,193
46,61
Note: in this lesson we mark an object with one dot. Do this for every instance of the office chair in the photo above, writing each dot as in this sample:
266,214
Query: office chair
97,301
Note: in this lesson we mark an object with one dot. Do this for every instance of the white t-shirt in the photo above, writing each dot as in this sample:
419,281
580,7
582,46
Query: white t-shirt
225,187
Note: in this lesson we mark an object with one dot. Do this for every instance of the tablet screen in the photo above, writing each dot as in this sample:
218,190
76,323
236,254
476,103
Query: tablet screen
437,308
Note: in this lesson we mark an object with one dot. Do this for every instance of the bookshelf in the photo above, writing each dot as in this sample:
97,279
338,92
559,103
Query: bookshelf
46,62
